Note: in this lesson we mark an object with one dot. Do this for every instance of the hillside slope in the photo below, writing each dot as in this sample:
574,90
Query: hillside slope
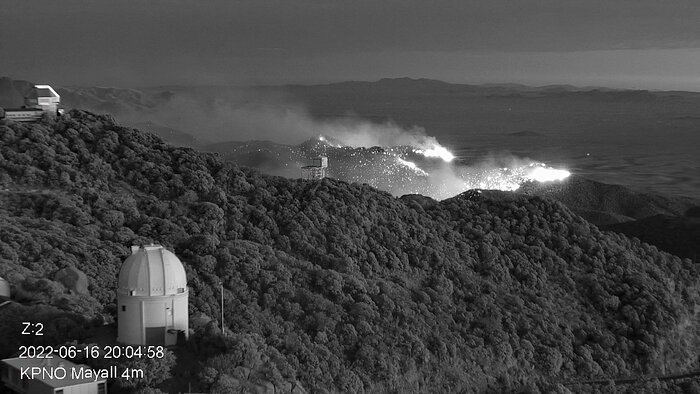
679,235
603,203
13,92
336,286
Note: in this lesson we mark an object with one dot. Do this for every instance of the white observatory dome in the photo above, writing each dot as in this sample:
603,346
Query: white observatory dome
152,298
152,271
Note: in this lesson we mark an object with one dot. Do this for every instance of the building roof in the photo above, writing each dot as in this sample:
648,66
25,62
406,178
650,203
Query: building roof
45,91
19,363
152,271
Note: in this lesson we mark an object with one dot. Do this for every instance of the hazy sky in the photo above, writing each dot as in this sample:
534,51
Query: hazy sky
629,43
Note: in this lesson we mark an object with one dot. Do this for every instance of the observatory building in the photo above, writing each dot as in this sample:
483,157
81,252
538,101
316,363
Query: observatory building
152,298
44,98
4,288
41,100
45,376
317,170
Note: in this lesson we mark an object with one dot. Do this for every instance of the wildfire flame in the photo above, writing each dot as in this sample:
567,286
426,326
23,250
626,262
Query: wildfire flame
511,178
446,179
327,142
541,173
437,150
411,165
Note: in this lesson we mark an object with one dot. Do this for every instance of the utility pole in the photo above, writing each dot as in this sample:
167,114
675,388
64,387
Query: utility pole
222,309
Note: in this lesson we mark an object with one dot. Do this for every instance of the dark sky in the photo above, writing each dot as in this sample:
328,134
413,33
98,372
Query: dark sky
619,43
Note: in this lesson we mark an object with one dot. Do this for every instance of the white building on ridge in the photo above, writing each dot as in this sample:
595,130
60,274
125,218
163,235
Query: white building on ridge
43,99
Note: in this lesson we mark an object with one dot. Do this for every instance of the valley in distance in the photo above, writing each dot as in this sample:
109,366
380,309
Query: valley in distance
430,259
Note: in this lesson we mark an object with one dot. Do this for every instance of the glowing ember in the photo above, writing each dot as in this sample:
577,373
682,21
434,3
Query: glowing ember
437,150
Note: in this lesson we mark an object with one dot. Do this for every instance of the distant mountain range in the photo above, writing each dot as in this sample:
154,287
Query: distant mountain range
453,108
114,100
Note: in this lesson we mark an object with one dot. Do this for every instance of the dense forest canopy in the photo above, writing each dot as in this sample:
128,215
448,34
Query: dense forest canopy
330,286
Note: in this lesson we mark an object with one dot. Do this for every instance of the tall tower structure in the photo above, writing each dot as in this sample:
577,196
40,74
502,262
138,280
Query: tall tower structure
317,170
152,298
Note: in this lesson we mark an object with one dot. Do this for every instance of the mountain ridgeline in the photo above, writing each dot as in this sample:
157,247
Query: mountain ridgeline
331,286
